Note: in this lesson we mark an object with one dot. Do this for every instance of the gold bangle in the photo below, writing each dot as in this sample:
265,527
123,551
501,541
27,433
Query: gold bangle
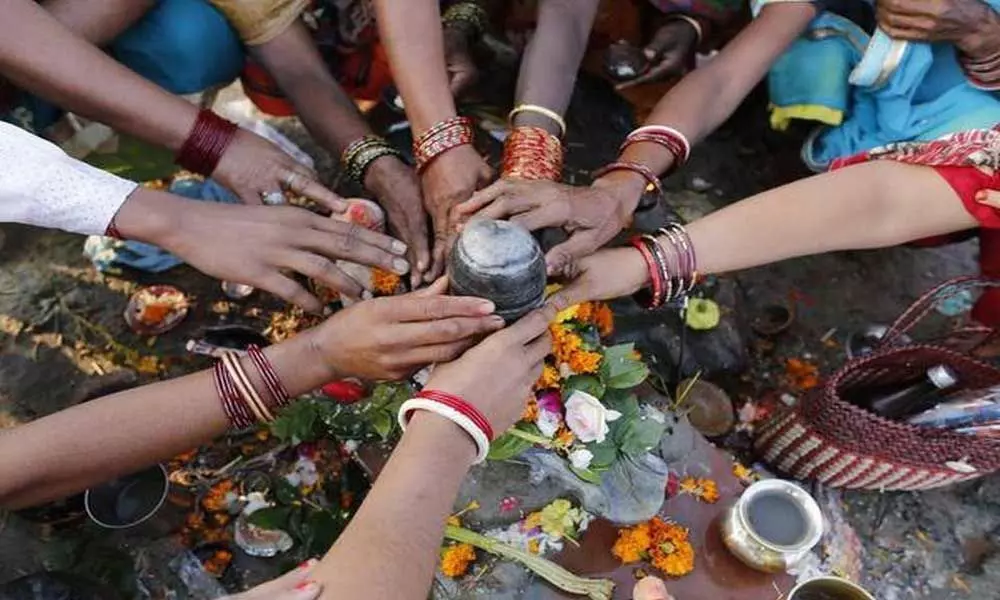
239,375
699,32
539,110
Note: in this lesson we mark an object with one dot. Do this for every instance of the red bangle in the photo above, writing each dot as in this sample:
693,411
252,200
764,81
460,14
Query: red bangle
233,404
470,411
656,299
442,137
635,167
205,145
271,380
532,153
112,230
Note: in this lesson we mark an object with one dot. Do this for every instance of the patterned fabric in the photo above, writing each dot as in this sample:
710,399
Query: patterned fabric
40,185
978,148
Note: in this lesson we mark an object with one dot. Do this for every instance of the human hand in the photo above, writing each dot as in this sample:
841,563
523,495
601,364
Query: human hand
252,166
462,70
255,244
448,180
966,23
398,190
610,273
294,585
667,53
592,215
393,337
496,375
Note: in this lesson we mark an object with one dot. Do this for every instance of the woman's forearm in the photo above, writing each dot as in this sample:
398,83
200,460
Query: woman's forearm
389,550
411,31
328,113
552,59
43,57
71,450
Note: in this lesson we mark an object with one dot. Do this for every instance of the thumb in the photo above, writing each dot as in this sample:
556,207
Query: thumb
989,198
438,288
569,295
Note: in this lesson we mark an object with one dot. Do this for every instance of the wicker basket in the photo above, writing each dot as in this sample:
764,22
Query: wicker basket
828,439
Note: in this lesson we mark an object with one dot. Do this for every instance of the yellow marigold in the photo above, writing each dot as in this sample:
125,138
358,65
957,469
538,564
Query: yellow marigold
564,343
632,543
568,314
455,559
585,361
385,282
530,412
670,550
743,473
548,379
703,489
533,546
533,521
563,438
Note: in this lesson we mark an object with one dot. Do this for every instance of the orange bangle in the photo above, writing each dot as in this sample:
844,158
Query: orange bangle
532,153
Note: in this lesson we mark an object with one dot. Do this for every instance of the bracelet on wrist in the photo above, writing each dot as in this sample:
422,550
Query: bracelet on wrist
359,156
456,410
532,153
675,142
442,137
699,31
243,404
672,266
206,143
538,110
651,179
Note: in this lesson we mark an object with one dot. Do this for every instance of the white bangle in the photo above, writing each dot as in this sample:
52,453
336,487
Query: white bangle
669,131
477,434
690,21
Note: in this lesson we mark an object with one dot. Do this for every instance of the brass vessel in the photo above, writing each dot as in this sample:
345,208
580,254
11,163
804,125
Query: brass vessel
833,588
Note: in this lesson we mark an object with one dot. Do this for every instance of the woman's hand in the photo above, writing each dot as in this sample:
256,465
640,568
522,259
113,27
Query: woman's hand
667,53
391,338
497,374
255,244
591,215
398,191
969,24
449,179
610,273
252,166
293,585
462,70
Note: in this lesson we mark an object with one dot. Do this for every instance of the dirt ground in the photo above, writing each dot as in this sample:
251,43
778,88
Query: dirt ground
56,314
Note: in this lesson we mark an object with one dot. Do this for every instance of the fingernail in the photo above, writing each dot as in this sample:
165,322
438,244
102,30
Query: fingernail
496,321
400,266
486,307
398,247
306,586
981,196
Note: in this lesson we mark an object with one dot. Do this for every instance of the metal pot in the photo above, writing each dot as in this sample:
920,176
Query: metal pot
128,501
829,588
758,552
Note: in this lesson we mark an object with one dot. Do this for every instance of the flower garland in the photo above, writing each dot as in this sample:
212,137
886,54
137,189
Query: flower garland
664,544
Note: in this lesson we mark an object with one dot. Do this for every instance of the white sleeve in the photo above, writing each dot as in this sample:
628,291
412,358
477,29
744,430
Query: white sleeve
41,185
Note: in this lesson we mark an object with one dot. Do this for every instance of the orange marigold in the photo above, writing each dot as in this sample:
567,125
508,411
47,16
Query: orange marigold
216,499
703,489
530,412
385,282
604,319
632,543
585,312
455,559
670,550
548,379
564,343
800,374
585,361
564,438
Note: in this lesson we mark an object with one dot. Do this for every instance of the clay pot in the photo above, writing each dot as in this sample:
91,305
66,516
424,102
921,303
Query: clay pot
773,319
499,261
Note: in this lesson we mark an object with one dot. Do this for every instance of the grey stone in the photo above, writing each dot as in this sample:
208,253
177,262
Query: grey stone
500,261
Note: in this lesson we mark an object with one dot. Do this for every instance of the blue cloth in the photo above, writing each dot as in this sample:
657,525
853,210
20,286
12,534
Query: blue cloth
184,46
926,97
108,253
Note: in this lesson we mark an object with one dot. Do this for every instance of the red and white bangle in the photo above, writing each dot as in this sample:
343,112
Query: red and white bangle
456,410
279,395
442,137
623,165
673,140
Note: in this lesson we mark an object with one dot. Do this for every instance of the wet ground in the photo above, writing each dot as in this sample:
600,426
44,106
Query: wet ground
56,317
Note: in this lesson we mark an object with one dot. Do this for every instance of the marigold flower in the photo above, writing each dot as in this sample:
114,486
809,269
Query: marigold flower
633,543
385,283
604,319
533,546
800,374
564,438
548,379
530,412
670,551
455,559
216,499
533,521
564,343
743,473
703,489
585,361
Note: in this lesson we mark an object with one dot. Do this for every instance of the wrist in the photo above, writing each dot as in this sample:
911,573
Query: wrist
626,187
443,435
302,363
149,216
379,175
984,39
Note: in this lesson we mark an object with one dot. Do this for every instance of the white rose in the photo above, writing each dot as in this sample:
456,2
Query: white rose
580,458
548,422
587,418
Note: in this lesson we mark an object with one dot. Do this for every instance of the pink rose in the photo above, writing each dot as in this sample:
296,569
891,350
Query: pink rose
587,418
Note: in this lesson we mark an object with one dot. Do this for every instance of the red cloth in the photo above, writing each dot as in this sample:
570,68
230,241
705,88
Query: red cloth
970,162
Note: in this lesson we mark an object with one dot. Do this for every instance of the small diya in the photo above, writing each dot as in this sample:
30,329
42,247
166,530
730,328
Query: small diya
499,261
156,309
773,319
708,408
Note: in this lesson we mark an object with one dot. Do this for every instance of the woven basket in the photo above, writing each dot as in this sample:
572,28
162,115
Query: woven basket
828,439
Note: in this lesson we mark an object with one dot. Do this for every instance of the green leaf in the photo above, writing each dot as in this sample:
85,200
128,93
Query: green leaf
382,422
604,453
637,373
586,475
625,403
285,492
296,526
585,383
272,517
507,446
639,435
297,423
620,369
325,528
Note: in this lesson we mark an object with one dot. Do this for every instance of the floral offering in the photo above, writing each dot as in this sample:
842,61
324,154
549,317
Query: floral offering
664,544
582,407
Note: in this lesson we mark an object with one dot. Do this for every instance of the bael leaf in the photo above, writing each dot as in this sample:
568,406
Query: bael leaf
585,383
272,517
625,403
297,423
639,435
620,369
604,453
507,446
324,529
382,422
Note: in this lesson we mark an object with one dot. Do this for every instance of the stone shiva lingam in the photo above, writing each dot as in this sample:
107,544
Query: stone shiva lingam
499,261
